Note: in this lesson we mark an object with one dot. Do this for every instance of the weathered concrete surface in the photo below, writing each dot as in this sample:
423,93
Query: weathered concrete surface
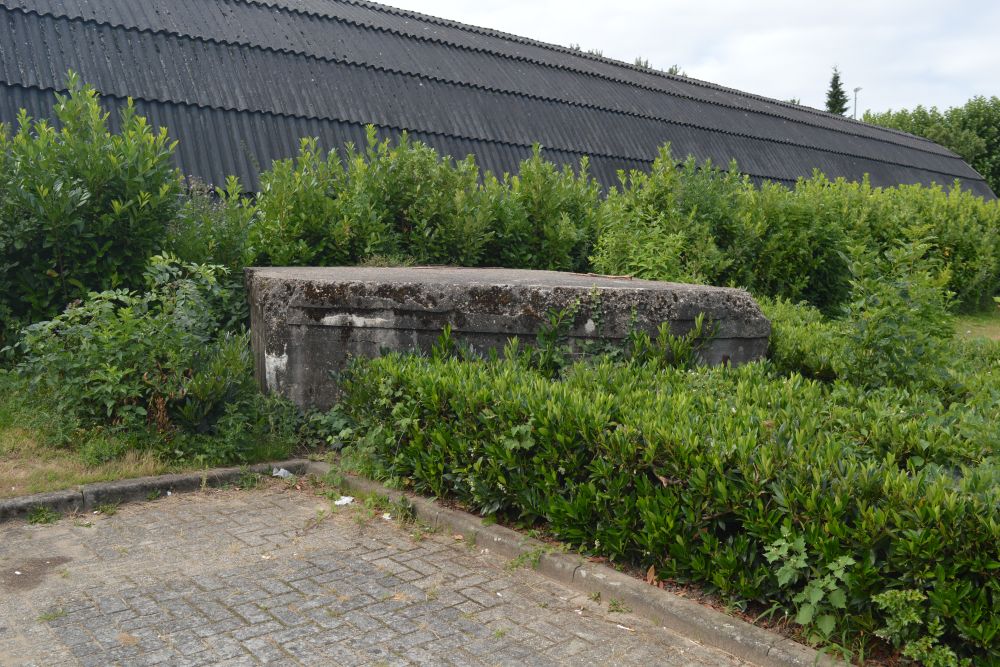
308,322
276,577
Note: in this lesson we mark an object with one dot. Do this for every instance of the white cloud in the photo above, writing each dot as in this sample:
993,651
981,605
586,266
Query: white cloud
900,53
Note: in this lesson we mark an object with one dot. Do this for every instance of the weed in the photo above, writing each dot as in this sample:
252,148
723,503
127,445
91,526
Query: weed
618,607
51,615
528,559
595,597
421,530
315,521
108,509
249,480
43,515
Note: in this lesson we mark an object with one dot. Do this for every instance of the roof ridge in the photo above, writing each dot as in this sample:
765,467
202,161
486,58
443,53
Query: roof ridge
558,48
438,133
476,86
275,4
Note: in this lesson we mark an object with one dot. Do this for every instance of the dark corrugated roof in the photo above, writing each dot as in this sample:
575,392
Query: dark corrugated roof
219,72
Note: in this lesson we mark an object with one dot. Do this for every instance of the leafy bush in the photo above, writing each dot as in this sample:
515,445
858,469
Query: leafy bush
399,200
213,227
81,208
131,358
158,364
300,219
403,204
897,323
797,243
542,218
252,427
650,230
802,340
905,629
896,329
703,473
962,230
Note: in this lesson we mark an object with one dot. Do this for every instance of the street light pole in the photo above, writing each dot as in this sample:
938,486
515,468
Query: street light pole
856,102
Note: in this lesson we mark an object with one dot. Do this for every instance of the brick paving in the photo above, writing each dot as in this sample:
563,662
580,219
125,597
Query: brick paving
276,576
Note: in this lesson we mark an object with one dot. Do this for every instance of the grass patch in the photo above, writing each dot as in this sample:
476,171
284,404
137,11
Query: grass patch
108,509
983,325
40,452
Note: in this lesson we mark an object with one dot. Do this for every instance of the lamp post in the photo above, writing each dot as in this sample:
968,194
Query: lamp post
856,102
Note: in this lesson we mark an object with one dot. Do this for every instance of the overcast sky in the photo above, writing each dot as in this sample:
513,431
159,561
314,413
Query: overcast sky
900,53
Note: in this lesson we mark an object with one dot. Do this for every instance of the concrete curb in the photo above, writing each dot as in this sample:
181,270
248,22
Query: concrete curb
686,617
89,496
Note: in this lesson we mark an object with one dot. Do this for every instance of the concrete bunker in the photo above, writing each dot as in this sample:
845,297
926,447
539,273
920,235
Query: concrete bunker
307,323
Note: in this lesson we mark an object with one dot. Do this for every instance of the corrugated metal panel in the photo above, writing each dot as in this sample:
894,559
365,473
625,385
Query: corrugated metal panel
380,97
517,47
304,33
334,65
207,13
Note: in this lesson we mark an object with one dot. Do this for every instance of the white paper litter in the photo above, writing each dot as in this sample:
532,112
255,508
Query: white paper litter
281,472
343,500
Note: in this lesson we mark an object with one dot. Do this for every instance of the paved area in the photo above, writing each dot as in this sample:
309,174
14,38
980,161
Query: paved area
278,576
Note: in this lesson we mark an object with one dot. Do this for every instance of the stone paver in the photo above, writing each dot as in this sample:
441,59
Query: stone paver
274,576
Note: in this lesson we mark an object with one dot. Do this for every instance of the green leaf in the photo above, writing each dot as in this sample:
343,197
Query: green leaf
805,615
837,599
826,624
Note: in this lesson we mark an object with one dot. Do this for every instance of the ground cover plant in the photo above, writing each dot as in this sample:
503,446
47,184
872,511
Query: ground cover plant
41,450
860,509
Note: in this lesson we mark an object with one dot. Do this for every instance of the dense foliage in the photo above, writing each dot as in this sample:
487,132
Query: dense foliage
971,130
758,482
81,208
156,359
403,203
690,223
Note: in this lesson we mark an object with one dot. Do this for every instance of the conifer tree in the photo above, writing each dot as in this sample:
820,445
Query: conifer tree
836,96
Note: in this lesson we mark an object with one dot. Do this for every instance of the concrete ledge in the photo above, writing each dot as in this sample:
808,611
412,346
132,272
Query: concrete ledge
89,496
307,323
686,617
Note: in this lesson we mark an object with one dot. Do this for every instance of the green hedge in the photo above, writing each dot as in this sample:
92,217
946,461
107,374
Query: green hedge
710,474
81,208
403,203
